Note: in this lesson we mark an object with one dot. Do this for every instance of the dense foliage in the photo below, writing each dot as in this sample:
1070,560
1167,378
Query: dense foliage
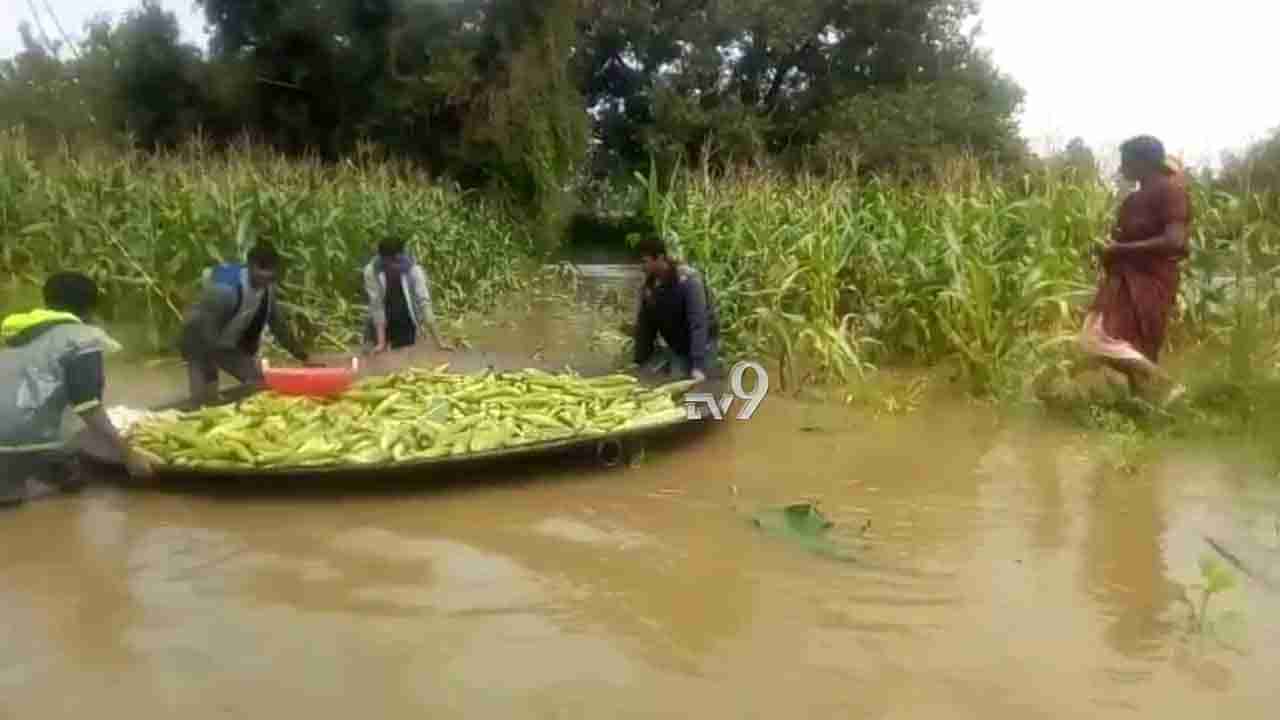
534,97
1255,168
826,277
145,227
831,276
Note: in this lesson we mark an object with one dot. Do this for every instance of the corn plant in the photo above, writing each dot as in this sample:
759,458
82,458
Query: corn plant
840,275
828,278
146,227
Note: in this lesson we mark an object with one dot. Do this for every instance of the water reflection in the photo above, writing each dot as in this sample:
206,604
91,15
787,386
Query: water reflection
1049,524
1124,563
65,584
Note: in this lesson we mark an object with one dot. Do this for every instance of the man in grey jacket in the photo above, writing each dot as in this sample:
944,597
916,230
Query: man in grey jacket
399,300
51,361
223,329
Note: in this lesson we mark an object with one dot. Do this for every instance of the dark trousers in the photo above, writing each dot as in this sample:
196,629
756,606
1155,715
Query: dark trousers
30,475
399,335
665,361
202,372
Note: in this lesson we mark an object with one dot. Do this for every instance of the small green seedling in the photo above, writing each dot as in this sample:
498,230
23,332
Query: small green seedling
1227,627
1217,579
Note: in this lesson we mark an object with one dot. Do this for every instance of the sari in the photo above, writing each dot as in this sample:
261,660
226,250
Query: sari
1136,296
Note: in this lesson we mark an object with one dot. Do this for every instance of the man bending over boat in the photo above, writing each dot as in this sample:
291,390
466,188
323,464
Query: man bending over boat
223,329
52,361
676,305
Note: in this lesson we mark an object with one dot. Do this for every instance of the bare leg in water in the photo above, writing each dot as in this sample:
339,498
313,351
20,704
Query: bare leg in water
1142,374
1138,370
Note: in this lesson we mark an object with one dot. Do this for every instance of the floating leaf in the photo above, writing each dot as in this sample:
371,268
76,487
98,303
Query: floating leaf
802,524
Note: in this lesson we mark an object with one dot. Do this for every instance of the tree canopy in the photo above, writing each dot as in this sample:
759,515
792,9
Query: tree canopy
1256,167
532,95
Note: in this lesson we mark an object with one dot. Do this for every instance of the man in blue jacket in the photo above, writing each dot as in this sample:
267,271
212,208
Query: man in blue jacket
676,305
223,329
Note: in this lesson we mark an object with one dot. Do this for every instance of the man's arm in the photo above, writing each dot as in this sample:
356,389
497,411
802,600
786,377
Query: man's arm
1174,208
646,331
377,307
86,378
284,333
426,309
696,309
1173,241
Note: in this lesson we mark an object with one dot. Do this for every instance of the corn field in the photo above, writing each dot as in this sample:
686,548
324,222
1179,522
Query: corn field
826,278
831,278
146,227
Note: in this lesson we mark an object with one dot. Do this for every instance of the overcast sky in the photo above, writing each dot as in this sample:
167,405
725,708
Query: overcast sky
1199,76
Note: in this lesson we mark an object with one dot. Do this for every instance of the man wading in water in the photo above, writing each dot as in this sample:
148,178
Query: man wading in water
223,329
675,304
1127,320
399,300
52,361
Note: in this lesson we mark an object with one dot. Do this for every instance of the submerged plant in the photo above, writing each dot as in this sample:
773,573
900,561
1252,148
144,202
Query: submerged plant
1226,628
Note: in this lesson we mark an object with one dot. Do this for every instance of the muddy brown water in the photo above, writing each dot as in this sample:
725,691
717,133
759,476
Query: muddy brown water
1006,573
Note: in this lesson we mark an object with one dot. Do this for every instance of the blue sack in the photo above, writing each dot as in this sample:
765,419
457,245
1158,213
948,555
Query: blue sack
229,274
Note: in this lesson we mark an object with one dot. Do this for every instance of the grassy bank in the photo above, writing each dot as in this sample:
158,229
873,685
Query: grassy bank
977,285
986,277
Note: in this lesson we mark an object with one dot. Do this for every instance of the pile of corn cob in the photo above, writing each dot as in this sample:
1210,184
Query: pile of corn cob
408,416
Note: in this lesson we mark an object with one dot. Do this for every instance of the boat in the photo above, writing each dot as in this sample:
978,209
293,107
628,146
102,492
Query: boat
609,449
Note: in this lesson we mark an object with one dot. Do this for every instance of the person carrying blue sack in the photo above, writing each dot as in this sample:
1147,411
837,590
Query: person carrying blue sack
399,300
223,329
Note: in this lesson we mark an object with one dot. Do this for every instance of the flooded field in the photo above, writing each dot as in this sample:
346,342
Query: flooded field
999,570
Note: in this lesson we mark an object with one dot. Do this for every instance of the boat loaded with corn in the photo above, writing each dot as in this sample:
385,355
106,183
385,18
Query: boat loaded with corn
412,416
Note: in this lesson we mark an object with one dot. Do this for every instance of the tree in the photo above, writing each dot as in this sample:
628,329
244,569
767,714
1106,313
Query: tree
511,93
742,77
39,93
134,79
151,83
1076,158
1255,168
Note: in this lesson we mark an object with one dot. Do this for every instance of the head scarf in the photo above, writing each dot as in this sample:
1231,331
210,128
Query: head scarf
1174,168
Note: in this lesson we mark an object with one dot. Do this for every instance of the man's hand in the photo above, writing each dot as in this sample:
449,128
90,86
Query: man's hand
1113,251
136,462
1107,254
138,465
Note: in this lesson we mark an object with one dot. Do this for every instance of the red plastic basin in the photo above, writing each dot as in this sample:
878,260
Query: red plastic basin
308,381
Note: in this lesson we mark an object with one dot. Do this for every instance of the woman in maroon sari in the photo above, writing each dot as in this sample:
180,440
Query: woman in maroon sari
1139,288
